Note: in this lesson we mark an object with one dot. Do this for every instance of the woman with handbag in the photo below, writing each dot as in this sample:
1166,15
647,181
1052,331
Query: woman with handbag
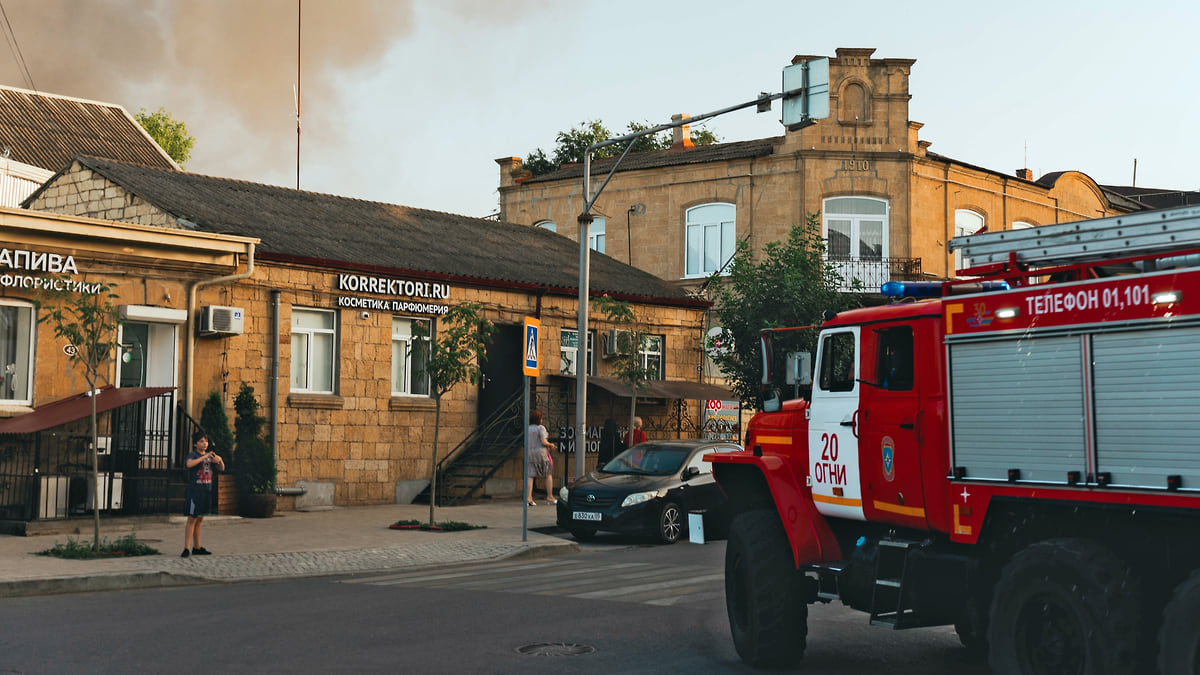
538,463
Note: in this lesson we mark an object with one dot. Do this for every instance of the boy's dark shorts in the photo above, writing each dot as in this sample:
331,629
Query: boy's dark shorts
197,501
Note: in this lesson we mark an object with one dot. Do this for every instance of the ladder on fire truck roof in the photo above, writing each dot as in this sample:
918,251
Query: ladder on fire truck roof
1142,233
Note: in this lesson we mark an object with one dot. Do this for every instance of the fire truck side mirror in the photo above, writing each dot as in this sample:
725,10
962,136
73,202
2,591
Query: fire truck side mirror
770,399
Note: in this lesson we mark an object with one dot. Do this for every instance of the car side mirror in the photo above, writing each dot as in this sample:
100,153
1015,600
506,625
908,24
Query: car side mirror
690,472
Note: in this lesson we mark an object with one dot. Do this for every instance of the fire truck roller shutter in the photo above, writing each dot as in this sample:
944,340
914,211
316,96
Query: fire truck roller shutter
1018,403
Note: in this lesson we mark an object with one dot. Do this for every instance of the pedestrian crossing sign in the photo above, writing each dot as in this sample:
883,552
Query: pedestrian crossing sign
532,326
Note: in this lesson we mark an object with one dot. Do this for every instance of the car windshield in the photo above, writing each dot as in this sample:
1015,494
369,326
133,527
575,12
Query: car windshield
649,459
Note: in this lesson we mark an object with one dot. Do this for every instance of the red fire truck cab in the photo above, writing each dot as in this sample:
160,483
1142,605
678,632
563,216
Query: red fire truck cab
1012,454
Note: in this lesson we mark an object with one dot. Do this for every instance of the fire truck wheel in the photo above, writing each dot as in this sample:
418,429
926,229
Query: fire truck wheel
670,523
1179,635
768,615
1064,606
971,628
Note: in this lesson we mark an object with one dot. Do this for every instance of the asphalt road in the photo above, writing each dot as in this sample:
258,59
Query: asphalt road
619,606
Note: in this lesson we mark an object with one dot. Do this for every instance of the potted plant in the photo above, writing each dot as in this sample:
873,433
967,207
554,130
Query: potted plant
255,462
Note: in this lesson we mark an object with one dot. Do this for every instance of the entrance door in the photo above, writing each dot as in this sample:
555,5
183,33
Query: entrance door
148,358
502,371
833,426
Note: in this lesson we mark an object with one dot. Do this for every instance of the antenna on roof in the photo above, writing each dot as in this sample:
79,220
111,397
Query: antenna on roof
296,89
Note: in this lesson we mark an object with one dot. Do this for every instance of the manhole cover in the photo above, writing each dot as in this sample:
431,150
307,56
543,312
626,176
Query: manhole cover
555,649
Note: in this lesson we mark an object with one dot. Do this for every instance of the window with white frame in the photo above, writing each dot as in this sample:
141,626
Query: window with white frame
710,238
596,235
856,228
651,353
546,225
568,352
966,222
408,358
17,324
314,340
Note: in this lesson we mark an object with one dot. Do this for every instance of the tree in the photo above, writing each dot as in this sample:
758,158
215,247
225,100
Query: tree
791,286
170,134
571,144
450,358
215,423
88,322
255,459
627,363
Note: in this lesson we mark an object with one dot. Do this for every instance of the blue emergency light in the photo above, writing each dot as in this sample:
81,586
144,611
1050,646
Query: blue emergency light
935,289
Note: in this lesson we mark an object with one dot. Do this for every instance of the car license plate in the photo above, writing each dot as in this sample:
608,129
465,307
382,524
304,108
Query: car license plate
585,515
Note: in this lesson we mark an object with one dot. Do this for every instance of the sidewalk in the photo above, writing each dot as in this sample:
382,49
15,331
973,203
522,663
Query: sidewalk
292,544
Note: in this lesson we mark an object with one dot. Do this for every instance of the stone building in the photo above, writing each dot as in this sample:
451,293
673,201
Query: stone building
888,204
315,305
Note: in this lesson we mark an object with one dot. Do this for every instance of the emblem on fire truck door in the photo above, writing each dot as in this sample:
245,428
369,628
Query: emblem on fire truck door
889,459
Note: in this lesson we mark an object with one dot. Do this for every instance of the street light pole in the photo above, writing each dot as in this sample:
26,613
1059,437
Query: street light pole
585,220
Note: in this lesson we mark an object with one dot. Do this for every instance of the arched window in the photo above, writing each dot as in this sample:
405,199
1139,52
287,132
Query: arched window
856,236
710,238
966,222
1021,225
546,225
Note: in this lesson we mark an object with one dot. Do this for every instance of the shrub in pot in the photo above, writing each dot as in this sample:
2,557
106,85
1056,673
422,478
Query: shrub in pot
255,462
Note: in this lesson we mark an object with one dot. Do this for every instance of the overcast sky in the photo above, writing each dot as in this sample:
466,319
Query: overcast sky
411,102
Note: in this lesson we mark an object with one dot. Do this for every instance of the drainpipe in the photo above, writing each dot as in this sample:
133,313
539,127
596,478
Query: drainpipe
274,388
190,349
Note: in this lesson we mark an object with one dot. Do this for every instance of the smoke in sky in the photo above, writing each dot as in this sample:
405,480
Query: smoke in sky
226,68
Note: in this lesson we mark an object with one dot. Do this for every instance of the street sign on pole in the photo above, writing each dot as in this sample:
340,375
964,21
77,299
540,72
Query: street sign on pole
530,359
805,93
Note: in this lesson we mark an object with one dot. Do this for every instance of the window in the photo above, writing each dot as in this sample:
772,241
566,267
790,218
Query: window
408,359
313,338
894,370
651,353
596,235
711,239
965,222
837,362
856,236
568,352
547,225
1021,225
16,352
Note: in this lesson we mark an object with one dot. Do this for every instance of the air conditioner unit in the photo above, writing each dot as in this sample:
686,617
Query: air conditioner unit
217,320
612,343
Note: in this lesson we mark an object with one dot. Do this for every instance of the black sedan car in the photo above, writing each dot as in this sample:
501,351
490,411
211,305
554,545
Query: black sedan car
648,489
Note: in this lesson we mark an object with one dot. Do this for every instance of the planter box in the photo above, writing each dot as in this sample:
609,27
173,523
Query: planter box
227,496
257,506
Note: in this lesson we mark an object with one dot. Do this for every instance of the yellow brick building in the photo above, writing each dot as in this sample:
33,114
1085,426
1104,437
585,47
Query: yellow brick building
888,204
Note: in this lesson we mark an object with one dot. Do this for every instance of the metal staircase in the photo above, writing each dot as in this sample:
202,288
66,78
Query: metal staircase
889,606
469,465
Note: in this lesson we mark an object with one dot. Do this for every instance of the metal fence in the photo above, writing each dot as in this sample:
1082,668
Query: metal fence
868,274
49,474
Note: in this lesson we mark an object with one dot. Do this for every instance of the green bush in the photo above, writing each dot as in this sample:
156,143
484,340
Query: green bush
82,550
255,466
215,423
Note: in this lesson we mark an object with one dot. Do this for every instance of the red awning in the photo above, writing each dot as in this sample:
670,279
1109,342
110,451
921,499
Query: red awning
77,407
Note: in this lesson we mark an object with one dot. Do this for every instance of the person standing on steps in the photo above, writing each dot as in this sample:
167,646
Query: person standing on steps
537,458
198,498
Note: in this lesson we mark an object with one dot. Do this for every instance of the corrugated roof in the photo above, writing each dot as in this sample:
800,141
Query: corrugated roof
47,131
309,225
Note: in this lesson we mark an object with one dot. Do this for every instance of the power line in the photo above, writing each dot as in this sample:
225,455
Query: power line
13,47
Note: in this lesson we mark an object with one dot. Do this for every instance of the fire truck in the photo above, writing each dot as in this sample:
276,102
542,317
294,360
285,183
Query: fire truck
1012,453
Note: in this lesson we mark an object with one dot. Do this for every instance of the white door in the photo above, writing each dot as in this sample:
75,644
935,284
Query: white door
149,359
832,440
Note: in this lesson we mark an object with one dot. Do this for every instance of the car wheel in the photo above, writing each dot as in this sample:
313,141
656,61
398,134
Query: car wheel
1179,637
670,523
1064,606
582,534
768,615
